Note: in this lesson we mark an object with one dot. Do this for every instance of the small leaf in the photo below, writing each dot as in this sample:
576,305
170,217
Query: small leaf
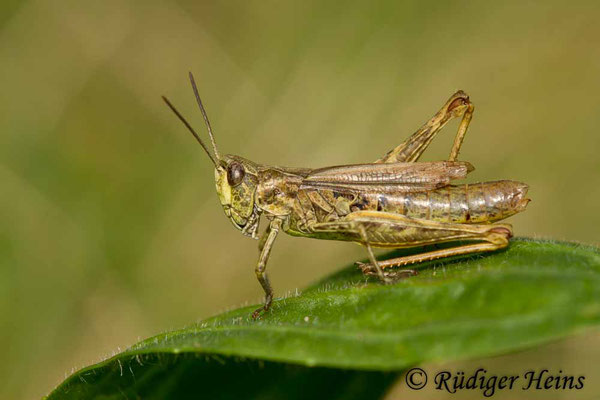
353,329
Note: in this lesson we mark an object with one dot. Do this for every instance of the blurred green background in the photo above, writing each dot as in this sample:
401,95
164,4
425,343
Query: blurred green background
110,228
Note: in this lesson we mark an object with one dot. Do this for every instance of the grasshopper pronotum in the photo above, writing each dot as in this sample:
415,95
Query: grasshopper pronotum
394,202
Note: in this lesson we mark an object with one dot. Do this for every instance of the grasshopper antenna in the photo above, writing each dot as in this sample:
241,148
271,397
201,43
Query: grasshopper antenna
212,138
172,107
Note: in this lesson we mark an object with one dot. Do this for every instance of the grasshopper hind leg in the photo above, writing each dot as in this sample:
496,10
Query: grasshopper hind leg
458,105
388,230
498,243
495,237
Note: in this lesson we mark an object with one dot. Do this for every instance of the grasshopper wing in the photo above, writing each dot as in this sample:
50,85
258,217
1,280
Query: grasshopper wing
406,177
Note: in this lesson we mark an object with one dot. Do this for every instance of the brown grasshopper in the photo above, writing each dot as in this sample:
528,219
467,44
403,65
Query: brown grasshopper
395,202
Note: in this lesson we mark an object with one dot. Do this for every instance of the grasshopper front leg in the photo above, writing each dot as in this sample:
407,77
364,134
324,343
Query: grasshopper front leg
413,147
263,238
265,244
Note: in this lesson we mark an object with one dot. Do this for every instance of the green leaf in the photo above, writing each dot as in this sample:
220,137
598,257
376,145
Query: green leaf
342,334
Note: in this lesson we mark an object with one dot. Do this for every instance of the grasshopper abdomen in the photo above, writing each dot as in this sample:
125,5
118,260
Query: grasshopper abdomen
477,203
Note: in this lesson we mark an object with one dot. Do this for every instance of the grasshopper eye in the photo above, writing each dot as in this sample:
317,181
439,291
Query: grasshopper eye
235,173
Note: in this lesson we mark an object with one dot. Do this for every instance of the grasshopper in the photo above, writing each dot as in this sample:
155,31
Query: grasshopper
394,202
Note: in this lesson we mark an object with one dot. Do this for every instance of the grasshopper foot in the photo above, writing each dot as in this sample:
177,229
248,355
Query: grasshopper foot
368,269
389,276
258,312
402,274
261,310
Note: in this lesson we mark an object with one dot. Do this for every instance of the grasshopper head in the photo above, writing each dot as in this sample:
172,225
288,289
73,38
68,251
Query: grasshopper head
236,177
